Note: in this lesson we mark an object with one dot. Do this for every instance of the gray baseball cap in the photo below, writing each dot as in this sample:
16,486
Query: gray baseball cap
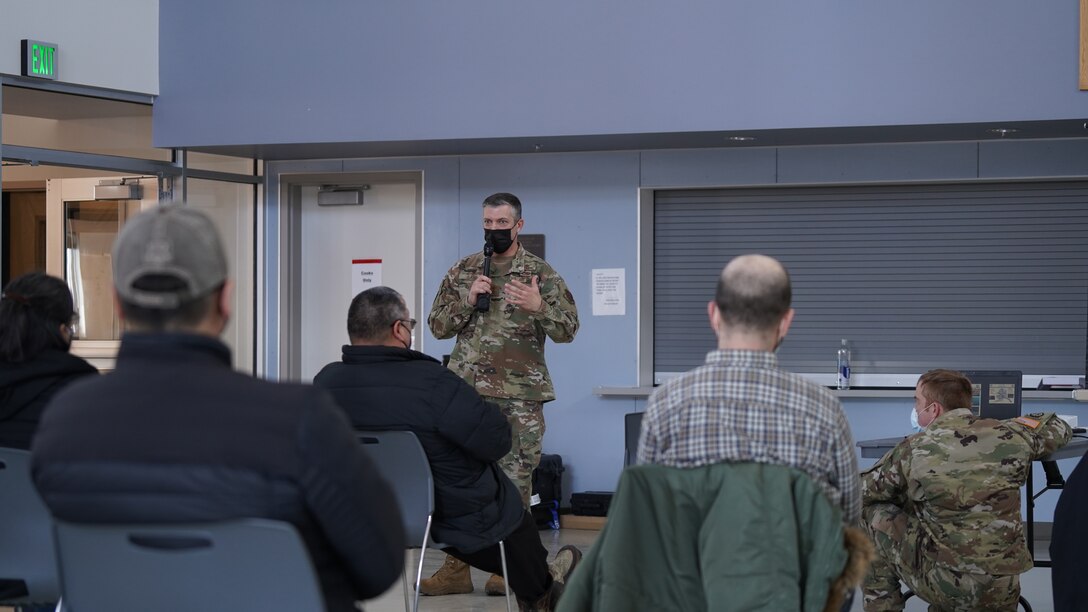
167,256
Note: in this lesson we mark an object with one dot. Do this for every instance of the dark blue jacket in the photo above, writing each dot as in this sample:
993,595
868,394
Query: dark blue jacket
388,388
175,435
1067,552
26,387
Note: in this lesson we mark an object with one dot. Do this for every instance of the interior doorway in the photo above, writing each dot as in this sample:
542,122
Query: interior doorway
24,232
329,243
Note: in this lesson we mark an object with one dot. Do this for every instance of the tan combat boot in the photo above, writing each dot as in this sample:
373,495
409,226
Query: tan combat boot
495,585
562,566
561,569
453,578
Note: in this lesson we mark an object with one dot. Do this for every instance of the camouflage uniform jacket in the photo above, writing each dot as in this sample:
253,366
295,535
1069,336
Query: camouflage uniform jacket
961,479
501,352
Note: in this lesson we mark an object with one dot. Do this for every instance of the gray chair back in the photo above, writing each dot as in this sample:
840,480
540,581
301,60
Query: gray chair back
401,460
632,431
26,534
247,564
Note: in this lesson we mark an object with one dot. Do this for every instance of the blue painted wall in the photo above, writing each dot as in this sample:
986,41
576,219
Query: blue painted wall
282,71
586,204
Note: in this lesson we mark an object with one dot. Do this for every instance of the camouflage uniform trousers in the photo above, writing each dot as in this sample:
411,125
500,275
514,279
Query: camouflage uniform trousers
900,556
527,429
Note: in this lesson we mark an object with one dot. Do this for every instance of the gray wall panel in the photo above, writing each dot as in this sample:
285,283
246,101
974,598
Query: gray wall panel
1033,158
708,167
896,162
112,44
282,71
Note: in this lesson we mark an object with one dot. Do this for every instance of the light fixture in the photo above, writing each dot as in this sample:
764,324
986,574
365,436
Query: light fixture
742,138
341,195
1003,132
118,189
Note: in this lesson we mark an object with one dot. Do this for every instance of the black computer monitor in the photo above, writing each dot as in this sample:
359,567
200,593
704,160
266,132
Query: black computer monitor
996,394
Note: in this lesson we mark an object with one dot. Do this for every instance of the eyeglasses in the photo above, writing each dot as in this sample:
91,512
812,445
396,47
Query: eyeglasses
411,323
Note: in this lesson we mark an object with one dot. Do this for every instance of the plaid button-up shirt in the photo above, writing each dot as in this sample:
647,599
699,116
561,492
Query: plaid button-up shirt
740,407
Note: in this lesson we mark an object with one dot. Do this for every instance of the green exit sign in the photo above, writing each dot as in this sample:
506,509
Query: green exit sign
39,59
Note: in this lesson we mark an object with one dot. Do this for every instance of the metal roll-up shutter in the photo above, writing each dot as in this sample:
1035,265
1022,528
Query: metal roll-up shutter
966,276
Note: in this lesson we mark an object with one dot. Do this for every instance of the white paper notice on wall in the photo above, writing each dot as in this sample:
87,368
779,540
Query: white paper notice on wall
608,292
365,273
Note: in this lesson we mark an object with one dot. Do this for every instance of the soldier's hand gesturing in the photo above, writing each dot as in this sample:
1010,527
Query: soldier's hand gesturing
480,286
524,296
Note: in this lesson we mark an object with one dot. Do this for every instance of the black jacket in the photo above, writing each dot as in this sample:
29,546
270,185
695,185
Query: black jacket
175,435
387,388
1067,552
26,387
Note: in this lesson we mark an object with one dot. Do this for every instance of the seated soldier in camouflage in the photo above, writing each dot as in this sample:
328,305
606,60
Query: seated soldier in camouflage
943,507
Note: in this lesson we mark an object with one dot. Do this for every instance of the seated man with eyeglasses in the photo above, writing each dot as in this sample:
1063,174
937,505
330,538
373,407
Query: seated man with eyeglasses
943,507
382,384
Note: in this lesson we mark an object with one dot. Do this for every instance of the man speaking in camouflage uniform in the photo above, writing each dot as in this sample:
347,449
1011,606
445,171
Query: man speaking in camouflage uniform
500,351
943,507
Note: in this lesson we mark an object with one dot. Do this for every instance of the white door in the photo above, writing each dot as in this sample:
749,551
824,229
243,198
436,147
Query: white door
80,232
385,228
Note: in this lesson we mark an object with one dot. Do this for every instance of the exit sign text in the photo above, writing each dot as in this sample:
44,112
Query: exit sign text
39,59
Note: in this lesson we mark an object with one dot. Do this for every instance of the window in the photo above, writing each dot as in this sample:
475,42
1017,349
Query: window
90,229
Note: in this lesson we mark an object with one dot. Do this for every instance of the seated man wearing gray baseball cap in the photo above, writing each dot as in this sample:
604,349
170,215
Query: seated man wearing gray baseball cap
175,435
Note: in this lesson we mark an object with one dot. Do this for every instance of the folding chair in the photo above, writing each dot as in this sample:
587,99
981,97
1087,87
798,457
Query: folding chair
247,564
632,431
401,460
28,567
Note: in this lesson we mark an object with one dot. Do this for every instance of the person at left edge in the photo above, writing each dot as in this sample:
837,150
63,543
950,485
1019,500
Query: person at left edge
36,316
174,434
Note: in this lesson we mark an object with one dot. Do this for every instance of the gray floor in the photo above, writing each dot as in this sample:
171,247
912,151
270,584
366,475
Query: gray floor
1035,584
393,599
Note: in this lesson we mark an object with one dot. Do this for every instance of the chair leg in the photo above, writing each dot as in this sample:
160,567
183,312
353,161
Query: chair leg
505,576
404,579
422,553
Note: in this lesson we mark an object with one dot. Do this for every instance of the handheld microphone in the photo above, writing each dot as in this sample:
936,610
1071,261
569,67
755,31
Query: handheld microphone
483,301
1054,478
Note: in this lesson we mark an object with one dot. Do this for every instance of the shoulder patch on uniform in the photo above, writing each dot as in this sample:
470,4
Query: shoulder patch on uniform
1027,421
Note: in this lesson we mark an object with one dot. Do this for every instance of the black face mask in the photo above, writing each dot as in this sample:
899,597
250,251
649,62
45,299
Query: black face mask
499,238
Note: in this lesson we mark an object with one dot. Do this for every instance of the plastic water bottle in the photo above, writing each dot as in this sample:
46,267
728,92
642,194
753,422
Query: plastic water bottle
844,365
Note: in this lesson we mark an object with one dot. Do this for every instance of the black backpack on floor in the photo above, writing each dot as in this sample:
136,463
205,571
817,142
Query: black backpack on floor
548,484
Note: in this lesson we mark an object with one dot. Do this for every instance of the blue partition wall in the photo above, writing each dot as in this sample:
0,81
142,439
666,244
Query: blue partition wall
575,107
